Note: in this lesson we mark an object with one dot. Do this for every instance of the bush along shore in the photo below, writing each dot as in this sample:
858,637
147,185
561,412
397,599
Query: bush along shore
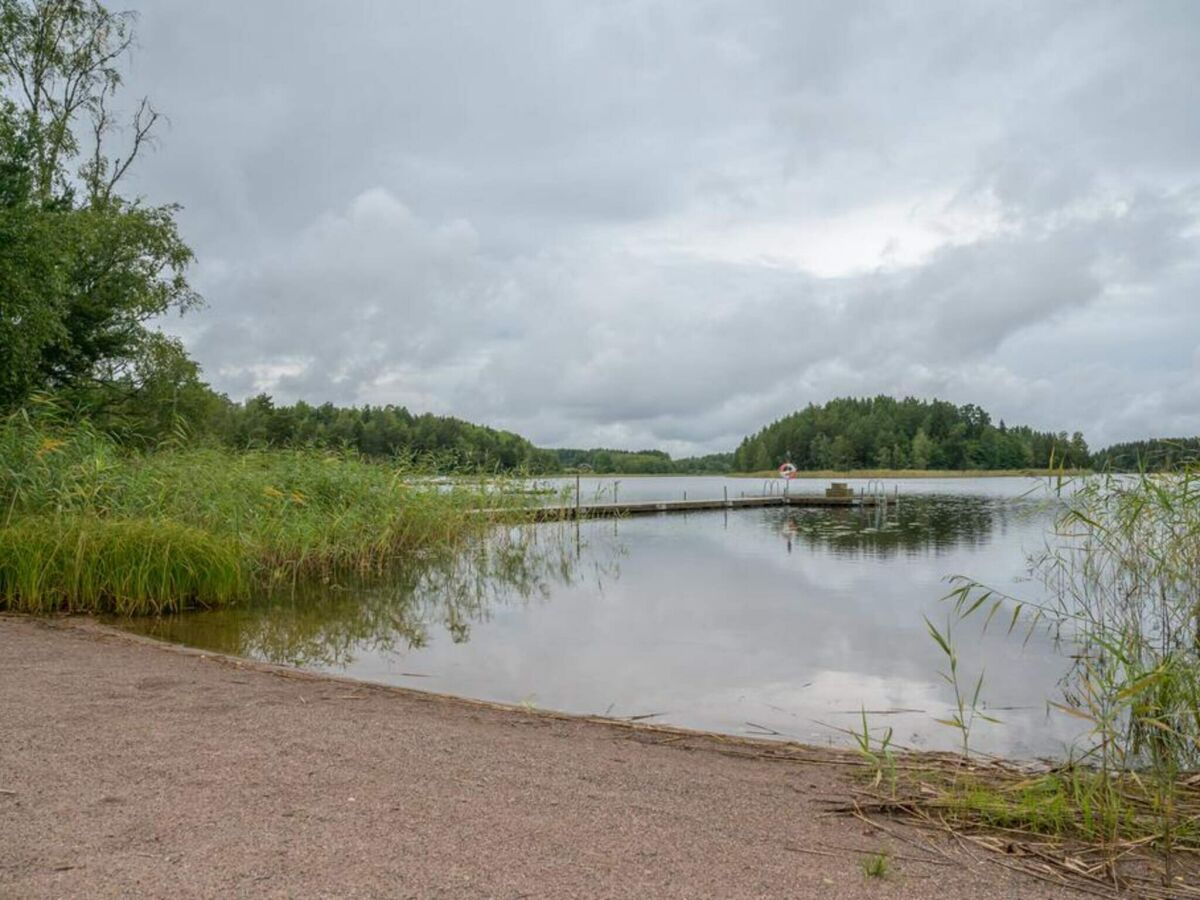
88,525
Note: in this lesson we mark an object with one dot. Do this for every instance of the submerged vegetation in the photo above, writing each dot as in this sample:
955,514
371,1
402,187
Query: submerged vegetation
86,524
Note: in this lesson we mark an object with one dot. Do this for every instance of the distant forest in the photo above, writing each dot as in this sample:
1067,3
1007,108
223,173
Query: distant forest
1151,455
644,462
450,443
842,435
885,433
380,431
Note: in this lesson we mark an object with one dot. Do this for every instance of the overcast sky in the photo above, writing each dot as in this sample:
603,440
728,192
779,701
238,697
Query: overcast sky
665,224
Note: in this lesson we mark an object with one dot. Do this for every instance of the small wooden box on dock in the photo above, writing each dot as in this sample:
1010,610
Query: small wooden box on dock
839,490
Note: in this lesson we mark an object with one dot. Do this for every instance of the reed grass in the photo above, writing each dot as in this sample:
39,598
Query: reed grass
86,524
1120,575
125,566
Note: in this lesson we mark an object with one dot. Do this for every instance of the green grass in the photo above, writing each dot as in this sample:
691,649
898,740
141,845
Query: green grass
1121,573
1073,803
125,566
86,525
875,865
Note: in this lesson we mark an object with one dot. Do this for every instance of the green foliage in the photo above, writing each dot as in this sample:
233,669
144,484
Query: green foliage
967,710
1073,802
89,524
319,623
1122,574
378,432
642,462
1153,455
127,566
82,270
882,432
124,267
880,759
876,865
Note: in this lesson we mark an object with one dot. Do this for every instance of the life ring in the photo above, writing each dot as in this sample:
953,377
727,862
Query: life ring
787,470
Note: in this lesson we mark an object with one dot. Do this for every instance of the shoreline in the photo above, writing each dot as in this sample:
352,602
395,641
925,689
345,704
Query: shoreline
86,624
137,767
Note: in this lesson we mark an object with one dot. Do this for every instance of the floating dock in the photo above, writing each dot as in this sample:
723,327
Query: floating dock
654,507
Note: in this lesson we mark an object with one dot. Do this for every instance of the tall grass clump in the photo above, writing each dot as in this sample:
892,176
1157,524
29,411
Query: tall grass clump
86,524
1121,578
126,566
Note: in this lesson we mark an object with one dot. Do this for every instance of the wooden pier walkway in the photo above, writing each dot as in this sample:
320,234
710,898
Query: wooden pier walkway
654,507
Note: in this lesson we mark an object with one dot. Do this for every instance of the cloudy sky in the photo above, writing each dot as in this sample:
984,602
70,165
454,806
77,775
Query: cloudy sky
664,224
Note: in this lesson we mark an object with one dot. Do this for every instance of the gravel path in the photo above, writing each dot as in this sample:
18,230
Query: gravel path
134,769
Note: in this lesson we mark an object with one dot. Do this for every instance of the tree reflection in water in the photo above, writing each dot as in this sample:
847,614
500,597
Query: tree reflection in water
916,526
330,625
327,625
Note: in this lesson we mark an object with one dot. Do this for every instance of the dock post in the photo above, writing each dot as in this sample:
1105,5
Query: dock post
616,485
725,488
576,496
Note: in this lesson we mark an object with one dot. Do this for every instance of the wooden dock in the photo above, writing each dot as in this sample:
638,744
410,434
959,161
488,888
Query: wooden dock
654,507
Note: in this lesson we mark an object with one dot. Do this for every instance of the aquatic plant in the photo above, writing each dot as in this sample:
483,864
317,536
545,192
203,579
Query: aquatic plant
128,566
967,710
1121,578
81,516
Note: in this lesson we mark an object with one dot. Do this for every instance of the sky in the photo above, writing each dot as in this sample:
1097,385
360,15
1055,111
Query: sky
666,224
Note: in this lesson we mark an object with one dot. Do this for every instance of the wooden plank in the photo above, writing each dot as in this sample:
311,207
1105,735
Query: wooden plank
655,507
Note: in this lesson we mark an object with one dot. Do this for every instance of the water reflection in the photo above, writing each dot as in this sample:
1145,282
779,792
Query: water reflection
763,621
330,625
915,526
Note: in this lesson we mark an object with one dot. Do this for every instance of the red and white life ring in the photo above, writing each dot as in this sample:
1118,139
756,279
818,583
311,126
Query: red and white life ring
787,470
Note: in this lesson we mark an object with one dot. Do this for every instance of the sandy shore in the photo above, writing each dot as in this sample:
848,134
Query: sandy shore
134,769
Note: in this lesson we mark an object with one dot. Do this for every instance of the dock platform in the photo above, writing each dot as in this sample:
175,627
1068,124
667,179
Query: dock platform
654,507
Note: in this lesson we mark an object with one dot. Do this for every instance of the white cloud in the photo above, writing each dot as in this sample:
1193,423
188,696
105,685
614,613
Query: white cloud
644,225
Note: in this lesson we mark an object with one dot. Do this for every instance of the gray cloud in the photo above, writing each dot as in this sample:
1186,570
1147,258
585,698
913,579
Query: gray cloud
651,224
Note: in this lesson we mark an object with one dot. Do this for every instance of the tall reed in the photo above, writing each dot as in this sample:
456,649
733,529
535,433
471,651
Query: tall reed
88,524
1121,571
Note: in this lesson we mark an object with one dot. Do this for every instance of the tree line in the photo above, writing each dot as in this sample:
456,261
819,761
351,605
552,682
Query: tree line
605,461
1153,455
377,431
885,433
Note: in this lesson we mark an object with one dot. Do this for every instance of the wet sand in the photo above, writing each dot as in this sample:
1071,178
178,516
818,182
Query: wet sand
130,768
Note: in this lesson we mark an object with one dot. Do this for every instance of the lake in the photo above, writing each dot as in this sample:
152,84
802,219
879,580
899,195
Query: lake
774,622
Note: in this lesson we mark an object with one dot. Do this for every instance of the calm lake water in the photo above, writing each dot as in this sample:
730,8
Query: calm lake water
771,622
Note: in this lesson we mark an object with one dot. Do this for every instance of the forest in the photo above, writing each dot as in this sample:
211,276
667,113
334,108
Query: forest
885,433
444,442
643,462
1156,454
